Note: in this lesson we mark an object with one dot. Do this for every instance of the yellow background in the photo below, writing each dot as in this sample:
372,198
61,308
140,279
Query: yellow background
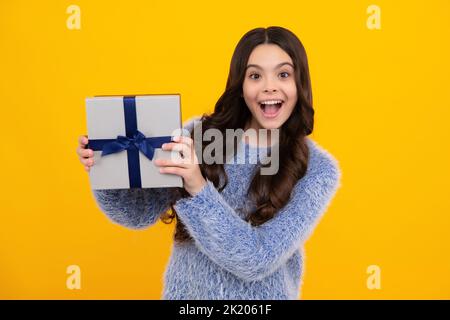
382,103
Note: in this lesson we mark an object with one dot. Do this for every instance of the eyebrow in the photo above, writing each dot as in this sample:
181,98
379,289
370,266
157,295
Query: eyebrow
277,66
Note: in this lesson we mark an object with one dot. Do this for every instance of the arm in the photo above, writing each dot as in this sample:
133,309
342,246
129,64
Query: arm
137,208
134,208
252,253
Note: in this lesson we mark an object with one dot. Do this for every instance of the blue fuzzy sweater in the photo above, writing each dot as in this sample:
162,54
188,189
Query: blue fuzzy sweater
229,258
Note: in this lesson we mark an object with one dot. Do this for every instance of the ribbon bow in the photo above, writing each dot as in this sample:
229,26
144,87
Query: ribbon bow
138,141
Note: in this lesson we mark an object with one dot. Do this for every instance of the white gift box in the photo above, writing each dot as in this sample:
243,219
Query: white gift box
132,129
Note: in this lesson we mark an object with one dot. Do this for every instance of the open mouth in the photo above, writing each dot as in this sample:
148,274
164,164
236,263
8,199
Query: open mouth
271,109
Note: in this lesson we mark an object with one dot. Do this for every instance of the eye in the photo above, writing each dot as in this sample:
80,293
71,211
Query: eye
285,73
254,74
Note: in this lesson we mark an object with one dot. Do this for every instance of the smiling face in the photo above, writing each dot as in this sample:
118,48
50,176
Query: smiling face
269,88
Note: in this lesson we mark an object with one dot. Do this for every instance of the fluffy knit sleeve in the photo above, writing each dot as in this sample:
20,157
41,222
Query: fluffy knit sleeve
253,253
137,208
134,208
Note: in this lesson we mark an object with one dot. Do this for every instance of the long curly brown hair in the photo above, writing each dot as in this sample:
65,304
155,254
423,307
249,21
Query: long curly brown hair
270,193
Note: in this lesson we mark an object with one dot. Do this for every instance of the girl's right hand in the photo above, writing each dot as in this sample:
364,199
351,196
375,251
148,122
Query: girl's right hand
86,156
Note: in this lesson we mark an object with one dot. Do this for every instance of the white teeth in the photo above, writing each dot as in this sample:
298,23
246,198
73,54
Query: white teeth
271,102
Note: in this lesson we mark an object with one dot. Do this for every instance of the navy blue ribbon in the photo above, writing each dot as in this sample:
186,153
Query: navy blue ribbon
133,142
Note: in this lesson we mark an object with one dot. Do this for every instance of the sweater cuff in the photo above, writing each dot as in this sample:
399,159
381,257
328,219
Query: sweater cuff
200,202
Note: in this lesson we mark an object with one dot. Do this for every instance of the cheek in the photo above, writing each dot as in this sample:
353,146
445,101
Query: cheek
291,90
249,92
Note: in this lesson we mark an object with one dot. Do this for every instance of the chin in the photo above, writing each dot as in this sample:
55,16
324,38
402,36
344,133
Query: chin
269,124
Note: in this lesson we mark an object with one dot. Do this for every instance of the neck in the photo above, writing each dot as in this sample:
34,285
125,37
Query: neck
262,139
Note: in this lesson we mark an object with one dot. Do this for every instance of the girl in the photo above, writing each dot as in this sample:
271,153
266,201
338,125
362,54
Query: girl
240,234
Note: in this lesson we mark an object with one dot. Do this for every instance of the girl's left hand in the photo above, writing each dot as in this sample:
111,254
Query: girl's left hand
187,167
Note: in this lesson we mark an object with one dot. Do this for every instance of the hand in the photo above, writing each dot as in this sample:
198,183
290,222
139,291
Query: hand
187,166
86,156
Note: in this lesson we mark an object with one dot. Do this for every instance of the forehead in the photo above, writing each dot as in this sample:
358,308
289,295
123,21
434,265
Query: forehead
268,56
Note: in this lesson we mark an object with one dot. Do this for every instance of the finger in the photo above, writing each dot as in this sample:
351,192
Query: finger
87,168
180,147
170,163
173,170
172,146
85,153
83,140
79,149
87,161
189,153
183,139
84,161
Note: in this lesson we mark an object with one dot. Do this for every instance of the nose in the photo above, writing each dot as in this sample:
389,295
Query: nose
269,86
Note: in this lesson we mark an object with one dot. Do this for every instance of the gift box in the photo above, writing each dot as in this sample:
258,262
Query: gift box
126,134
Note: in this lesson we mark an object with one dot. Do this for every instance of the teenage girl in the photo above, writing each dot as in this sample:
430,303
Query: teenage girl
240,234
